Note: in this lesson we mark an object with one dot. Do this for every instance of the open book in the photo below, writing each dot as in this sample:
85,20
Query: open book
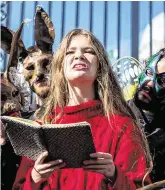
70,142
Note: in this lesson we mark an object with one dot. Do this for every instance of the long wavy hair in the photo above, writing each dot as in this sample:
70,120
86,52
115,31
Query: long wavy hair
107,89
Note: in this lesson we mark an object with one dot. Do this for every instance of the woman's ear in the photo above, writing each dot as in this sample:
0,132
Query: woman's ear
44,31
6,39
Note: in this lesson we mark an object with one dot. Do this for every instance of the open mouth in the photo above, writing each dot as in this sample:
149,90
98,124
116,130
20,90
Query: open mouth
80,66
146,94
41,80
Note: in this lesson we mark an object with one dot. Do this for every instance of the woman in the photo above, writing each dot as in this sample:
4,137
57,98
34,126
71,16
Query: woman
84,88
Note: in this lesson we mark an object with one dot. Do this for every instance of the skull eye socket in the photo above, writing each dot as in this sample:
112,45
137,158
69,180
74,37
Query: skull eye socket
15,93
30,68
3,97
45,63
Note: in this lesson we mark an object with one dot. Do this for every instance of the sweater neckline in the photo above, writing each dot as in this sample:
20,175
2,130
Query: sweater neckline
78,108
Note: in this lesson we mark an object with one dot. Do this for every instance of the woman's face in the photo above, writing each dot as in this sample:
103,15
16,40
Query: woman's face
80,63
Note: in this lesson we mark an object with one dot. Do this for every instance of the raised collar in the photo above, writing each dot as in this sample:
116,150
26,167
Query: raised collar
87,109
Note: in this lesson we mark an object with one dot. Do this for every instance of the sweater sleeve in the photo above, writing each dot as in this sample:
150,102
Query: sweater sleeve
23,179
130,159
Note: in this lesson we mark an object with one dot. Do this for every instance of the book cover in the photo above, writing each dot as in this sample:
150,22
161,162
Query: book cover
70,142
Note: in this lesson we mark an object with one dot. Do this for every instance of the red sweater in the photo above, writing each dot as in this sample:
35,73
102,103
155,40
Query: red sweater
119,138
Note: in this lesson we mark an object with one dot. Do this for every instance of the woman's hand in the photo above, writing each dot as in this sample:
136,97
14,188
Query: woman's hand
42,170
102,163
2,134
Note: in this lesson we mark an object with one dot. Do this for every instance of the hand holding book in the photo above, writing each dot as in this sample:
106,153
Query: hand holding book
43,170
72,143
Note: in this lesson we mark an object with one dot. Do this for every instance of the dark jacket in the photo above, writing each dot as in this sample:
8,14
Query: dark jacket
154,128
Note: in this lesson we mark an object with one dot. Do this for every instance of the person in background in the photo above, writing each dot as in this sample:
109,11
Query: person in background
84,88
34,62
149,106
15,93
13,101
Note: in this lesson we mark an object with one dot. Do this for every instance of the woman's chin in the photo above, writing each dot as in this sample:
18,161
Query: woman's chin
82,80
77,76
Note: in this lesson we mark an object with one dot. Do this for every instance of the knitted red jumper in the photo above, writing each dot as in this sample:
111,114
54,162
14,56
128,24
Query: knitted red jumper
119,138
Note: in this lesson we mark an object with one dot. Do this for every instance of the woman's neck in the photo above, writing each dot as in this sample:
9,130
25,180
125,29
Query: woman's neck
80,94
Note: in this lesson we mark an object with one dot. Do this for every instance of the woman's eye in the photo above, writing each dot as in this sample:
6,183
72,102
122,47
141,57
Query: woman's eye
69,52
90,51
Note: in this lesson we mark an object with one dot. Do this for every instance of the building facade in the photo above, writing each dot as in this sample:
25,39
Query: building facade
126,28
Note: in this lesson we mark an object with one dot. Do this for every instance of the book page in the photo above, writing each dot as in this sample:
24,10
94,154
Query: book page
79,124
25,121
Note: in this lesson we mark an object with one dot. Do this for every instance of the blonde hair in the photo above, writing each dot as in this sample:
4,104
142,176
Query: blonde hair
108,90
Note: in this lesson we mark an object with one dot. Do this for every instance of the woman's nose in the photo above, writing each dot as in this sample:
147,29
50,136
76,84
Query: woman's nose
79,55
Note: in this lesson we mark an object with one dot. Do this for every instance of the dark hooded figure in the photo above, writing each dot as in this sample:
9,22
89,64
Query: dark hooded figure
149,106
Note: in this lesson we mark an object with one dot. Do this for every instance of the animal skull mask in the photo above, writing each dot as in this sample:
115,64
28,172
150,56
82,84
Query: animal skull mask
37,63
36,59
150,74
12,99
36,72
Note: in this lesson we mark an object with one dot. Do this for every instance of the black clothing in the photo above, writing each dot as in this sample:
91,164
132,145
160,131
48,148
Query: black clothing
9,160
154,128
9,166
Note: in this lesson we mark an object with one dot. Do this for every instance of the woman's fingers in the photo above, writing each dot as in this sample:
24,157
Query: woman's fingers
44,170
41,158
49,165
95,167
95,170
98,162
101,155
99,158
101,163
50,170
